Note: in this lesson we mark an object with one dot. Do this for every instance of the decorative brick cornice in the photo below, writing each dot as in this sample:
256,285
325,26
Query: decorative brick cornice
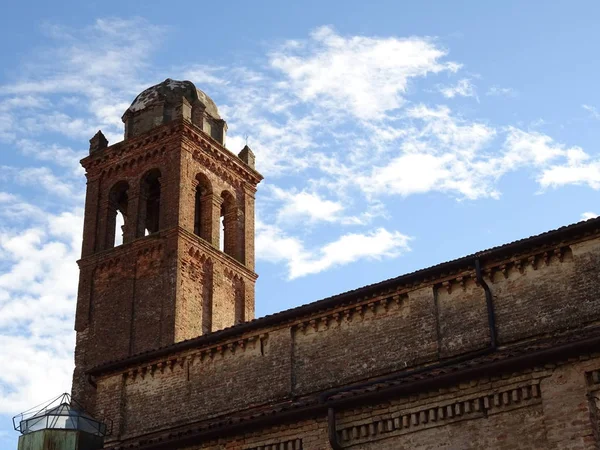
186,360
137,150
139,247
410,420
293,444
133,161
216,157
593,379
351,312
200,250
131,151
381,302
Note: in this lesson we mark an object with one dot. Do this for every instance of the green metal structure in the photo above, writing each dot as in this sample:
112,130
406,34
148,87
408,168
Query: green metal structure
60,424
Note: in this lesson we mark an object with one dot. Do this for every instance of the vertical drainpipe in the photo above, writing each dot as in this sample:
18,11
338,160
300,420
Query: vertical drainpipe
331,430
489,304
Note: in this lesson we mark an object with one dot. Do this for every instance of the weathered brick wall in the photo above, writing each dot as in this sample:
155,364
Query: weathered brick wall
463,319
540,408
376,339
546,294
543,408
382,334
175,392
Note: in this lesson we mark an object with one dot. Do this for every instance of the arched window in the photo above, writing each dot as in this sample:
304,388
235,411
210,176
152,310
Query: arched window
229,225
202,208
118,200
149,217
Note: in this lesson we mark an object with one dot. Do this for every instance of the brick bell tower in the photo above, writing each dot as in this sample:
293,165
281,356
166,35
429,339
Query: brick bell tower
168,239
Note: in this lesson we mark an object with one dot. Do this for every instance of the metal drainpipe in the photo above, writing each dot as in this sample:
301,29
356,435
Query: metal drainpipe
489,304
331,428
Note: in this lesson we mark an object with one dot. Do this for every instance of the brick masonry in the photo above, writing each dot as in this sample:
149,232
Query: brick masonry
174,282
266,385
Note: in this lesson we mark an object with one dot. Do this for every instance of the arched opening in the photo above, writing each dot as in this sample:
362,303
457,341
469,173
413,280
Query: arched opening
118,201
149,217
202,208
228,225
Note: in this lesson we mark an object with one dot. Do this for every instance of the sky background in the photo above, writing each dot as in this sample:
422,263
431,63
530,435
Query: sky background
392,135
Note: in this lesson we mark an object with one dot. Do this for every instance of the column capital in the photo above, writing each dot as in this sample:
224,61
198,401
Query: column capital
216,200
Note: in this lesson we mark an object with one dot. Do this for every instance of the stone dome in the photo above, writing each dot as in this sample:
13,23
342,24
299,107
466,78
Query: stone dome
170,100
171,91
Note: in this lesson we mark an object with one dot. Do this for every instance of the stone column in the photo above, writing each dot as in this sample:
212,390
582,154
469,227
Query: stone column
213,217
247,257
131,221
139,224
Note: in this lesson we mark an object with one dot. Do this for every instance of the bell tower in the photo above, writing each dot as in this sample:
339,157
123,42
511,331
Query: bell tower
168,240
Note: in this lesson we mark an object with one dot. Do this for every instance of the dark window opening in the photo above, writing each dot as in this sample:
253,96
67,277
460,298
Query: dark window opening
202,208
118,201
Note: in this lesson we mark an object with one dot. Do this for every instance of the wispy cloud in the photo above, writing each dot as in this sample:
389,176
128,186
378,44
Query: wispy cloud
306,205
588,215
592,110
274,245
364,75
463,88
100,67
497,91
39,273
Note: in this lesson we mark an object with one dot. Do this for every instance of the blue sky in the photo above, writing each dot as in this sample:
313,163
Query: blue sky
392,136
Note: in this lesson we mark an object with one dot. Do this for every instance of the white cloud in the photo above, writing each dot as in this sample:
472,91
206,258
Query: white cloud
99,67
588,215
205,75
45,179
592,110
442,154
308,205
497,91
558,165
274,245
38,283
59,155
572,173
6,197
464,88
529,148
367,76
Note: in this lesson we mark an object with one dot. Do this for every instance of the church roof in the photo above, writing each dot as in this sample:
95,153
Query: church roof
172,89
548,238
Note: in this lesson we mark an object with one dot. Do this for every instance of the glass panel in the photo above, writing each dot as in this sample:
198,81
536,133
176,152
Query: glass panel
64,416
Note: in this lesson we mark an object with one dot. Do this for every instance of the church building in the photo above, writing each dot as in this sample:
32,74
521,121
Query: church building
496,350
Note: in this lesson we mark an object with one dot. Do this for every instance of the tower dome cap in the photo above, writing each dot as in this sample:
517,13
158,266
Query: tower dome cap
170,91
